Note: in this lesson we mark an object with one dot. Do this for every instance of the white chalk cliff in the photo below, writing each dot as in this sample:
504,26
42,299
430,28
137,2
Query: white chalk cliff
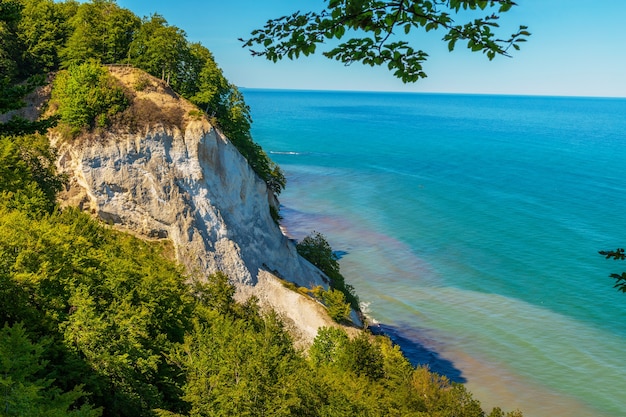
189,184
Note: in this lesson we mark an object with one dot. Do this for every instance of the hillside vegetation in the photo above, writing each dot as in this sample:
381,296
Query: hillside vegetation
95,322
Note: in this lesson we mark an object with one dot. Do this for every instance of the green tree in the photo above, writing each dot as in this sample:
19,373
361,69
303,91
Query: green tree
101,30
43,30
316,249
86,95
113,305
385,27
23,392
18,76
10,48
239,367
360,355
327,345
159,48
205,84
28,177
338,309
216,292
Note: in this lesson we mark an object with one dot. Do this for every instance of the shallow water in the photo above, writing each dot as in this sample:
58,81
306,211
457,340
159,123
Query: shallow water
471,226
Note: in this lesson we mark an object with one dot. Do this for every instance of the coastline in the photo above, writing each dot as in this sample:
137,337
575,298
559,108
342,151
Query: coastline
417,353
451,223
493,384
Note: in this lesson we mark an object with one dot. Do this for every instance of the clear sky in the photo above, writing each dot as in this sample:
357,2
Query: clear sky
577,48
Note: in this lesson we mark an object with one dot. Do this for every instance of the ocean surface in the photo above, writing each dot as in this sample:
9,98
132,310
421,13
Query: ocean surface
470,227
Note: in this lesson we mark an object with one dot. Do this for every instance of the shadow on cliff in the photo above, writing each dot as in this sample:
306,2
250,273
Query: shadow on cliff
417,353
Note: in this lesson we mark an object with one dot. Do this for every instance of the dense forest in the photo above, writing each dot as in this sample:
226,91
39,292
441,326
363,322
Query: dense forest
95,322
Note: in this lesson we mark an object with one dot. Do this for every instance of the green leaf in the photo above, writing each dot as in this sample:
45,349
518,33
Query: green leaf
505,7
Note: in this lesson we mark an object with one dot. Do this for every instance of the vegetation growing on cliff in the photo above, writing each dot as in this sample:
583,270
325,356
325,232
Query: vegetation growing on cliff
96,322
87,96
43,36
316,249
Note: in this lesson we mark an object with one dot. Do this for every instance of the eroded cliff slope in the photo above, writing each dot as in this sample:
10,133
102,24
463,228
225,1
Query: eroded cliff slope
173,175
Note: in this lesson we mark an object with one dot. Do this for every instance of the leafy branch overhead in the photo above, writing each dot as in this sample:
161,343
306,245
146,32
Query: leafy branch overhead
379,32
618,255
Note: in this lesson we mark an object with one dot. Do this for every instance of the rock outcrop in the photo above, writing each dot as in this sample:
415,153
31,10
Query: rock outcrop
188,183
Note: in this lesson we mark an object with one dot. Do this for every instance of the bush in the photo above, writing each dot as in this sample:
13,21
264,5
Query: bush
316,249
338,309
141,83
275,213
86,96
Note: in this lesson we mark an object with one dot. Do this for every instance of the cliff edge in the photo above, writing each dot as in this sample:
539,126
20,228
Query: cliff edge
167,172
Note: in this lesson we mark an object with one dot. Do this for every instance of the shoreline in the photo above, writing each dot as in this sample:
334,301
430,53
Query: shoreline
417,353
493,385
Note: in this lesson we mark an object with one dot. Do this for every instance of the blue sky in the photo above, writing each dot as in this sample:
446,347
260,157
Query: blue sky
577,48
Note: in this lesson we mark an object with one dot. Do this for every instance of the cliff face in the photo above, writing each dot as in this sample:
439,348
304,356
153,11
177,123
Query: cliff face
190,184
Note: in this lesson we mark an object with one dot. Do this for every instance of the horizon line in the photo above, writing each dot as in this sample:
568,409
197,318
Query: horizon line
310,90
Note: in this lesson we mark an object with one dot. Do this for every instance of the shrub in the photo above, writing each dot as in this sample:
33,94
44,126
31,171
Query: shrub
316,249
195,114
275,213
335,301
141,83
86,96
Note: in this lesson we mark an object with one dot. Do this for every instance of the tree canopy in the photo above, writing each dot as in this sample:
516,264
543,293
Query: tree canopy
39,36
380,32
316,249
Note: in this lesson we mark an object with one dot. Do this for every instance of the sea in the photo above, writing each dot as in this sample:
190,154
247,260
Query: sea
469,226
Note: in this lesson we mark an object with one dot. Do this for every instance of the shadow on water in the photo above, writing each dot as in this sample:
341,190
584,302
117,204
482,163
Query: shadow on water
417,353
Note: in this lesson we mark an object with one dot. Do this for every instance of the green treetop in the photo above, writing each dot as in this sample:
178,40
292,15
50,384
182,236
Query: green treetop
379,32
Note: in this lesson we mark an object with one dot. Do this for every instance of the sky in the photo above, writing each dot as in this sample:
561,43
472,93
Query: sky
577,48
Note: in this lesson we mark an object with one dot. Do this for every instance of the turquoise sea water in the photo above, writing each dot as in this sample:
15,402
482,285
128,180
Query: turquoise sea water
470,226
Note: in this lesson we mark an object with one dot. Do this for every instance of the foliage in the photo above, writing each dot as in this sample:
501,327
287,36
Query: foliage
27,175
112,303
620,279
328,344
10,48
332,347
11,95
275,213
370,376
87,96
379,22
316,249
240,367
338,309
158,48
100,30
23,392
44,29
17,75
20,126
